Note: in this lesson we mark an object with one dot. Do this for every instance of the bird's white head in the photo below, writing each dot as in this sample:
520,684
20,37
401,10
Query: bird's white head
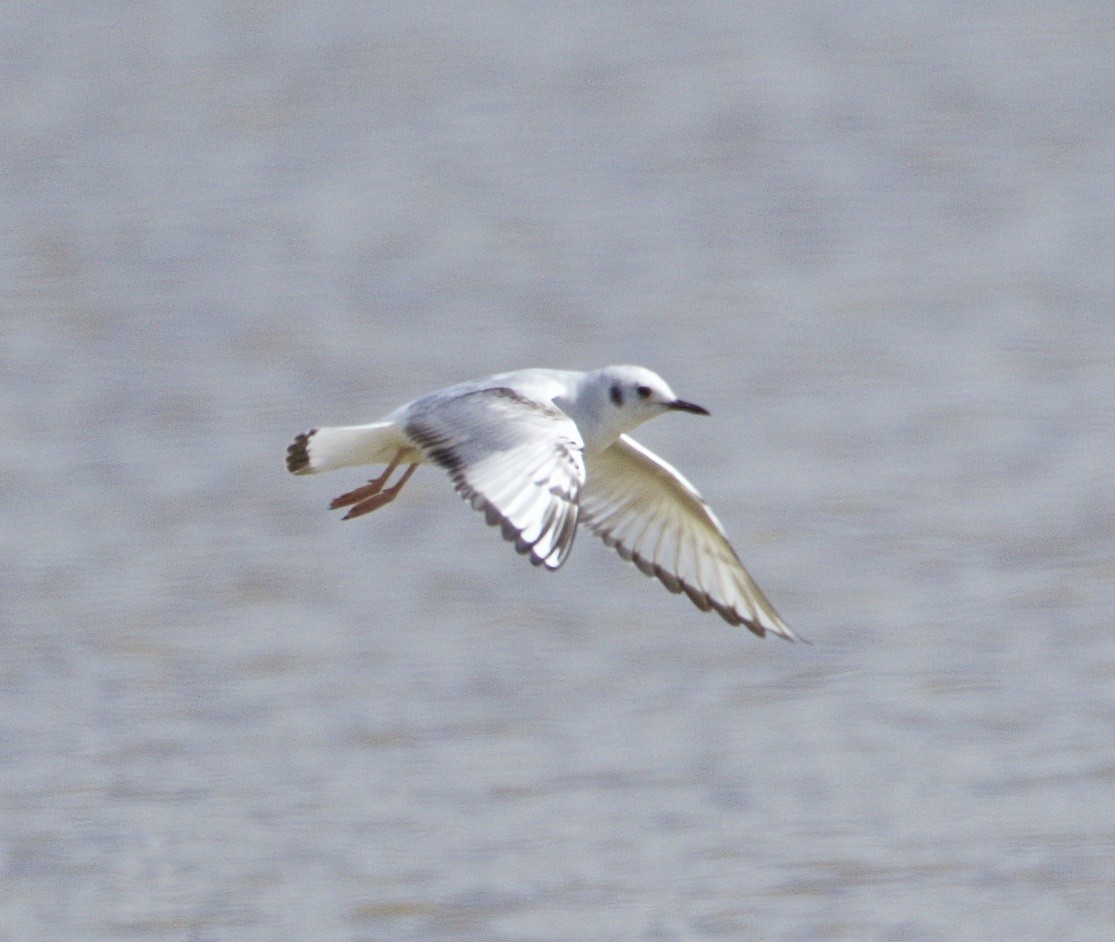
624,397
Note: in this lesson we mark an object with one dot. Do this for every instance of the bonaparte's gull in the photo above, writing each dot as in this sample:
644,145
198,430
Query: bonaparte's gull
539,451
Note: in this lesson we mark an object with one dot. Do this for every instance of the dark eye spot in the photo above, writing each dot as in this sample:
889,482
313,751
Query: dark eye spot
616,393
643,391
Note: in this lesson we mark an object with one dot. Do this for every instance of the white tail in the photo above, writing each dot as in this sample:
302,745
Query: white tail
326,449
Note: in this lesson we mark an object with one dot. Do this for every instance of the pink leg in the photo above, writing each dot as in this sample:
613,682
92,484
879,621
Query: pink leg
375,501
370,489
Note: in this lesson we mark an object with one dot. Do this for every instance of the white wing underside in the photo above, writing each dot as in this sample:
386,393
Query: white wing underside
517,460
653,517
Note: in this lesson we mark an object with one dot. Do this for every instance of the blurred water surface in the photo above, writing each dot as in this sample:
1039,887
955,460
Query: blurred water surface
875,240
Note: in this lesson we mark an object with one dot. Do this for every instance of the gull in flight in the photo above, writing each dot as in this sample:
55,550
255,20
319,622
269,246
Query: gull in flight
540,451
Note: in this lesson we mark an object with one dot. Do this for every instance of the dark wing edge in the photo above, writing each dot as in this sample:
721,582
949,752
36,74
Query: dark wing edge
639,524
524,476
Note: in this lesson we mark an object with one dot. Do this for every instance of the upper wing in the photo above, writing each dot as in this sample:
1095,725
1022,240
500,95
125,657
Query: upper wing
518,460
642,506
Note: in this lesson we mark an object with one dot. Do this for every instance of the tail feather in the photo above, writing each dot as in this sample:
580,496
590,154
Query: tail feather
325,449
298,454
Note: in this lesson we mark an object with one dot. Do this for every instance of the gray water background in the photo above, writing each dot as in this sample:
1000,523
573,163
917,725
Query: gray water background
876,240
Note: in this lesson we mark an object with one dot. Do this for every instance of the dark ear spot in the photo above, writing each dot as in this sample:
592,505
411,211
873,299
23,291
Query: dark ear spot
643,391
616,393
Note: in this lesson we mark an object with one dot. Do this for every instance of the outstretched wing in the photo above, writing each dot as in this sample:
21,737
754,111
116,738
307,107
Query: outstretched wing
653,517
518,460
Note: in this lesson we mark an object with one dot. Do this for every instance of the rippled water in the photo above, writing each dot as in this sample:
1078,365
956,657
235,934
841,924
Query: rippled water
875,241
